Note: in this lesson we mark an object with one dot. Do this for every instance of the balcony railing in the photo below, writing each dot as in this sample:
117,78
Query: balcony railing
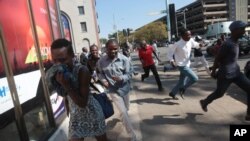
215,20
214,5
215,12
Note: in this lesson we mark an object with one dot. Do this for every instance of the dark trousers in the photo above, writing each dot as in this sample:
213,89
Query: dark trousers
223,83
156,75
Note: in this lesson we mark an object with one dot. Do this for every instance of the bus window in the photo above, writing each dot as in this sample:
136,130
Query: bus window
21,50
8,128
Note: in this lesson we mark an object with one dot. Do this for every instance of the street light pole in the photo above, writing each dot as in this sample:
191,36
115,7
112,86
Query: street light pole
184,17
115,28
168,20
184,14
218,24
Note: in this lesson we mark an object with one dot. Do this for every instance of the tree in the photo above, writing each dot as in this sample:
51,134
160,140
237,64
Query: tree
112,36
152,31
103,41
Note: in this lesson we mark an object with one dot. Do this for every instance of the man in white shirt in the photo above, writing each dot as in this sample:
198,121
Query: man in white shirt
154,45
179,56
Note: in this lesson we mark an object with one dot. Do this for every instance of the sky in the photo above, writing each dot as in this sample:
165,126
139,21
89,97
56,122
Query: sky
130,13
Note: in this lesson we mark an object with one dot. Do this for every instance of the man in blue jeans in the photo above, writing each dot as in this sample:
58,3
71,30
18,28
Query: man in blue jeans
229,71
179,55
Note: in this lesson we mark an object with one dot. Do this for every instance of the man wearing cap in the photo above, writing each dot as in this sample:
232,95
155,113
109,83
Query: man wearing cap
228,69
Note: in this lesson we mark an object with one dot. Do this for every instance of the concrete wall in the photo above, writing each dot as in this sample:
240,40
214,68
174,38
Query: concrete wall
241,10
81,39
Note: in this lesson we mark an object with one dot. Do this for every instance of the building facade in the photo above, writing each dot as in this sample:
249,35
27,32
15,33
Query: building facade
79,19
197,16
201,13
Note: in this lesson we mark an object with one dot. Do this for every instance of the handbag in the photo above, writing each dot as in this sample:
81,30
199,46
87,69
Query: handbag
105,103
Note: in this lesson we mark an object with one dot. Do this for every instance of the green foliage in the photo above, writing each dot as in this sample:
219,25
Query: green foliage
111,36
103,40
152,31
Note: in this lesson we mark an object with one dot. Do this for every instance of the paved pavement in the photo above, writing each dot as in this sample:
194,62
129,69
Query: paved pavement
156,117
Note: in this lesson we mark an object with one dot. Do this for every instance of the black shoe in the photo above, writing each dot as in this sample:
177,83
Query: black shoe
182,91
210,68
203,105
164,69
247,118
173,96
142,78
160,89
136,73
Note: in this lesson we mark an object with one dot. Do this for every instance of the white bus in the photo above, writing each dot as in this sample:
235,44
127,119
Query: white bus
28,111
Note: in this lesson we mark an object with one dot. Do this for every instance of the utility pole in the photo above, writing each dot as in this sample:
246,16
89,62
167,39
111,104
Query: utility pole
218,28
115,28
184,18
168,26
168,20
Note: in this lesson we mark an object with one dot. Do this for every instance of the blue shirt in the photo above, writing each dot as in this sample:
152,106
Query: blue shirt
119,66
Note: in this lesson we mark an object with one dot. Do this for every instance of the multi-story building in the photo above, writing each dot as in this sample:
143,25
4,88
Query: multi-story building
201,13
198,15
79,19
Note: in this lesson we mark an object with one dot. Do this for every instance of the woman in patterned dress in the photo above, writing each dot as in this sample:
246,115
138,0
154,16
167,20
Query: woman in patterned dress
86,116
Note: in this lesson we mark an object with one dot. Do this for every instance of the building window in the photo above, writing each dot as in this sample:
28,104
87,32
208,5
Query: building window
81,10
84,26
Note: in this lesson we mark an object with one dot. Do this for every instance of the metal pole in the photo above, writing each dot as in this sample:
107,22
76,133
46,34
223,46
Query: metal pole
115,29
41,68
168,20
117,36
19,117
184,14
218,23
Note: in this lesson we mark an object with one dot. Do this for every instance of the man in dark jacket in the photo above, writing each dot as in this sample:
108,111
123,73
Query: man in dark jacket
229,71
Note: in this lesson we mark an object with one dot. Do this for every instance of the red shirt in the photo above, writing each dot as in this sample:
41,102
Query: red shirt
145,54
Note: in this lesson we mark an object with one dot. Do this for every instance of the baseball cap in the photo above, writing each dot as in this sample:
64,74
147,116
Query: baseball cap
237,25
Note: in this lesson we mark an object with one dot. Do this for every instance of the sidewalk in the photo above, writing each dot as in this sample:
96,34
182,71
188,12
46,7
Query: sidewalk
157,117
165,119
115,128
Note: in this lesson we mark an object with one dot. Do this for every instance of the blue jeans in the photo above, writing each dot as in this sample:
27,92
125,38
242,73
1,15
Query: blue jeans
187,78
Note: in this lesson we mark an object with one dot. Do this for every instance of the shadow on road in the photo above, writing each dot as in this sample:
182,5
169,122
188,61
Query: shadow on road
165,101
172,119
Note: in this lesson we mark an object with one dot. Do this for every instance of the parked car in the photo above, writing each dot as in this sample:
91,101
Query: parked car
244,45
247,69
162,44
210,47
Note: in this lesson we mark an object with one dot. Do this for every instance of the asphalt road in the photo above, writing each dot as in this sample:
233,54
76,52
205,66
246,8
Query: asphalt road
156,117
164,119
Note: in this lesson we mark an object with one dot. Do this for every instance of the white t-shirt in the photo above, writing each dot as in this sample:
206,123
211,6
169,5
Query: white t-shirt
154,45
180,52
